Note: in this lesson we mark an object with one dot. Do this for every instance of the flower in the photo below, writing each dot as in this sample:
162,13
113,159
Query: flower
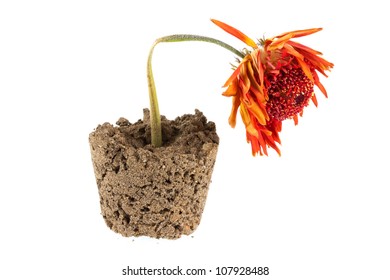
273,82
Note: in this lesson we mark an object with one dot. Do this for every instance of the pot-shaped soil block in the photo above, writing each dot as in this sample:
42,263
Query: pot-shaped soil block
157,192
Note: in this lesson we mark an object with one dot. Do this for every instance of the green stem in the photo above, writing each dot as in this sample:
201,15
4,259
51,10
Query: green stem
155,118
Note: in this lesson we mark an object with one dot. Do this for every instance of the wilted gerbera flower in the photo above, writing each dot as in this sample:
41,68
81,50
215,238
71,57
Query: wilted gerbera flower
273,82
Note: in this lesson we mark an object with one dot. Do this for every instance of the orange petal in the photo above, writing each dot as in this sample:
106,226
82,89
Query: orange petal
236,33
245,115
299,33
300,58
247,122
314,99
279,43
233,115
318,62
290,49
252,130
257,89
318,84
255,109
232,89
260,69
271,142
262,143
245,82
305,69
233,76
255,144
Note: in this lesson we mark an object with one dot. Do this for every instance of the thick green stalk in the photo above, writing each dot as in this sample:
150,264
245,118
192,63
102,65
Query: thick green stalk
155,118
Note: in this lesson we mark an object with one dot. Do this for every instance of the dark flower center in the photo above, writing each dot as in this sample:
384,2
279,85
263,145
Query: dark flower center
288,93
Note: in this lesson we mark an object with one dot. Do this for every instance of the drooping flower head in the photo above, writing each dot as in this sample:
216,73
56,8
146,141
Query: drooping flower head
273,82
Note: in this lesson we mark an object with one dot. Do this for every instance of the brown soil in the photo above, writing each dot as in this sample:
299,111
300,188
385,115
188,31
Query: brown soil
156,192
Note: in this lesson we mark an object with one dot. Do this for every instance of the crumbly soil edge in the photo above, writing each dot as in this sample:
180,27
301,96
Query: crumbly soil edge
157,192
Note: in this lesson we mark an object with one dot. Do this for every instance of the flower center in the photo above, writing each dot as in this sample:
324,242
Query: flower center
289,93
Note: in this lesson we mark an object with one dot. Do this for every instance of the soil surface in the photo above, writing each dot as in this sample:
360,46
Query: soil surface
156,192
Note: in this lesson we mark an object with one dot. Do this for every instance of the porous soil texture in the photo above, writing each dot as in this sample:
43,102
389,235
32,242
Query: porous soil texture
156,192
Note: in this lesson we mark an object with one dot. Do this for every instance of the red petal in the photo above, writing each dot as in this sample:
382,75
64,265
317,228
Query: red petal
318,84
303,47
296,119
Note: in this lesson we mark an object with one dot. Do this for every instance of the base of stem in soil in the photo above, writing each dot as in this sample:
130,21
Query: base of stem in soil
157,192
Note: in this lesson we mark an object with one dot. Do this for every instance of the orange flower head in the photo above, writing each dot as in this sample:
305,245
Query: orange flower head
274,81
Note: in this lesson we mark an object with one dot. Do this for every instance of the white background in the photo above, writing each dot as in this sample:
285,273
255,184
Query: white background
321,211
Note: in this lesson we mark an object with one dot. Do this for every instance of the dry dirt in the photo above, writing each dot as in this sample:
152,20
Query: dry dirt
157,192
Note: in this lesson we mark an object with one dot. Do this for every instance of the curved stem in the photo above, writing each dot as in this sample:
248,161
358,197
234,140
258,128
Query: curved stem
155,118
